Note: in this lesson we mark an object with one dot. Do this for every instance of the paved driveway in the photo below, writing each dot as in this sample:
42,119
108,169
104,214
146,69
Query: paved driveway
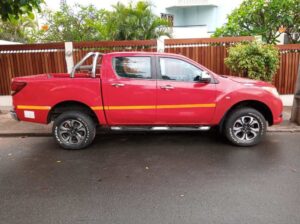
151,178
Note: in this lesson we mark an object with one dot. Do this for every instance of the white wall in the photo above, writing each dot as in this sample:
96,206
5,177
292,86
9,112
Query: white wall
225,8
192,32
5,42
195,16
212,16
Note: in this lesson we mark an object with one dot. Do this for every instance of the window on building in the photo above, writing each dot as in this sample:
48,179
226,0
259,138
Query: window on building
168,17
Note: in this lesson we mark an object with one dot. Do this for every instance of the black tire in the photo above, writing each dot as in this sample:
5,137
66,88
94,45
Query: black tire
245,127
74,130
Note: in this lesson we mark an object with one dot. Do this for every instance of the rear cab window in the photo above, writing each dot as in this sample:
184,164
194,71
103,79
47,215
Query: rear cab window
136,67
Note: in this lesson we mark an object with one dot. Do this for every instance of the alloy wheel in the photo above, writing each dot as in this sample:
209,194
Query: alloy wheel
246,128
72,132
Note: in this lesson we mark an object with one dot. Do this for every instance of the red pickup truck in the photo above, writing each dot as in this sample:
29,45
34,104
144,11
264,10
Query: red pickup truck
145,91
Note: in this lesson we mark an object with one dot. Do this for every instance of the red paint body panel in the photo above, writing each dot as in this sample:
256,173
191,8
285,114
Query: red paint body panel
141,102
230,93
185,93
135,92
58,88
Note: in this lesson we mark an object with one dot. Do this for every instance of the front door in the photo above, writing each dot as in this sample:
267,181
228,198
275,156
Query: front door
129,91
181,97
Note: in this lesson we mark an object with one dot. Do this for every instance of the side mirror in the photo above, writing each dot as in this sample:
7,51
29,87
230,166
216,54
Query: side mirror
205,77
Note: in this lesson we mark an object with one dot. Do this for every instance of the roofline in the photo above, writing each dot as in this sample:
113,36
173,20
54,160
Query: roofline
147,53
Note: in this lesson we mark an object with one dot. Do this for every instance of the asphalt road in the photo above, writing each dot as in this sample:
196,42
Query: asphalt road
153,178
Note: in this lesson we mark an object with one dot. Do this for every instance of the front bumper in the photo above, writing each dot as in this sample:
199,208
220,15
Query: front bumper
278,120
14,115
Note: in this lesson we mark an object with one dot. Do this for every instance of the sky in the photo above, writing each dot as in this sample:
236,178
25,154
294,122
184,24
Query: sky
54,4
106,4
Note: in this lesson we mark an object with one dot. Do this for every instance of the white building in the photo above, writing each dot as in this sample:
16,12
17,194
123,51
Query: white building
196,18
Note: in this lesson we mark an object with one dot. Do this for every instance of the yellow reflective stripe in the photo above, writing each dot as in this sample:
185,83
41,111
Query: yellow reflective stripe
97,108
207,105
147,107
138,107
27,107
123,107
131,107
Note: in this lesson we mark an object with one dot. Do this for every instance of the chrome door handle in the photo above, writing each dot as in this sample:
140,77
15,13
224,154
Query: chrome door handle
167,87
118,85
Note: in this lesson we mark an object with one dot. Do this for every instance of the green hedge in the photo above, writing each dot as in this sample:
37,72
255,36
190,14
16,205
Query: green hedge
253,60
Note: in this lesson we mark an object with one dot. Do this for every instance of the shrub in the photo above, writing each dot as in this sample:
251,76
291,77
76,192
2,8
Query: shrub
253,60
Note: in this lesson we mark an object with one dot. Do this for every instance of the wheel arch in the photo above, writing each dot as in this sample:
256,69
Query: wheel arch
255,104
69,105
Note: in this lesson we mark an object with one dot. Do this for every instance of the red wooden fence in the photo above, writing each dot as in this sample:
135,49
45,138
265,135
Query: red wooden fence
286,76
23,60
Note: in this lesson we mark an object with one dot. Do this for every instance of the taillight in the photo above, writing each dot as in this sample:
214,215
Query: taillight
17,87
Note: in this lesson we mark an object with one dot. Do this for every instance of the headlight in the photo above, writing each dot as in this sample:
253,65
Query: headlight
272,90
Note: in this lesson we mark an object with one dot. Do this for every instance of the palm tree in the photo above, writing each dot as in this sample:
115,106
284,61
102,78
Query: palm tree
17,30
135,22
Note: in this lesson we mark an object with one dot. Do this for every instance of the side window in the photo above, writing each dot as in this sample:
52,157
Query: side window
133,67
178,70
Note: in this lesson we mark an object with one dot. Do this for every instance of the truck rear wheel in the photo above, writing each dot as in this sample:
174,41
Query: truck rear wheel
74,130
245,127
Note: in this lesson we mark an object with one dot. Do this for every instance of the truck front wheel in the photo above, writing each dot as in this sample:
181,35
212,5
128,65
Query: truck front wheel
74,130
245,127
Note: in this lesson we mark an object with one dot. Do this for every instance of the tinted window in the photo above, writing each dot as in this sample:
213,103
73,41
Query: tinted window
174,69
133,67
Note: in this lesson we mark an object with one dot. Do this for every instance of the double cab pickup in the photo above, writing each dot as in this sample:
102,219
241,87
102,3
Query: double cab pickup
145,91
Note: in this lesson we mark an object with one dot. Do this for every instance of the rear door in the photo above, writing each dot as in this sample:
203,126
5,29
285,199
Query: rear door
129,88
181,98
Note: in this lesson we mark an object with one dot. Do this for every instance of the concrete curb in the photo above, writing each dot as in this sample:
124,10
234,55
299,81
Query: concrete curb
13,135
284,130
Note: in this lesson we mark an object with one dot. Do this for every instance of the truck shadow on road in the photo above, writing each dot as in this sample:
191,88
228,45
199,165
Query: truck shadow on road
182,151
200,148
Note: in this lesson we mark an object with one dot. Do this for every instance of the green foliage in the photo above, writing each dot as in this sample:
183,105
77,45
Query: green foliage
13,9
85,23
78,23
263,17
135,22
18,30
253,60
291,21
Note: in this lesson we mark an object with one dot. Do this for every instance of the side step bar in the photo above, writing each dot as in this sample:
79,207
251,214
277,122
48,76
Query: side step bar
159,128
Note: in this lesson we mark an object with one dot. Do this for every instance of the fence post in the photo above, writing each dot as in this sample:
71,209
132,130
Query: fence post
295,116
161,44
69,56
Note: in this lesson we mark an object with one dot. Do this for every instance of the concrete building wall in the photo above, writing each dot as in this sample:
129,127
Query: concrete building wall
196,18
